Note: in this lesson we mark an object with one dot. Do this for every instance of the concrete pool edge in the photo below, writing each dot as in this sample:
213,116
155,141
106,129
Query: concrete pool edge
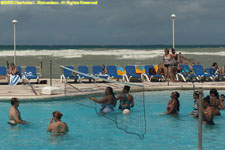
26,94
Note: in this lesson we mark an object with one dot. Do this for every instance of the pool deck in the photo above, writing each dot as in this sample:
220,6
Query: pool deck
33,92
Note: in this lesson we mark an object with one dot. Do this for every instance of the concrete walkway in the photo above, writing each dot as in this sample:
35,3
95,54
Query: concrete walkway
33,92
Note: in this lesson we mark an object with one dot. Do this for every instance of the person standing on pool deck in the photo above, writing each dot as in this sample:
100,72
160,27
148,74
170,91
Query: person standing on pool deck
14,113
58,126
108,102
174,104
167,63
126,99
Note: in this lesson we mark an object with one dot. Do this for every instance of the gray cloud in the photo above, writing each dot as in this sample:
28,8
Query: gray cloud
116,22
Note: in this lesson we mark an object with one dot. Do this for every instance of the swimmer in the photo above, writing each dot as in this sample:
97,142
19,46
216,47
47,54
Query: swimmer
174,104
214,101
14,113
126,99
58,126
108,102
221,106
208,111
195,106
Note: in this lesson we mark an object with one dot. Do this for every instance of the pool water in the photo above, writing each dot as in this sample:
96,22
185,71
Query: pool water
89,131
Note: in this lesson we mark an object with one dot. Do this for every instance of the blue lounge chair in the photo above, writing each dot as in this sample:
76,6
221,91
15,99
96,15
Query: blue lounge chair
131,73
31,73
84,69
97,71
185,73
199,72
3,72
215,76
68,74
148,76
112,72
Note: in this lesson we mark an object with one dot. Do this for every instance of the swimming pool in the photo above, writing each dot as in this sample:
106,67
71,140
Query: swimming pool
87,130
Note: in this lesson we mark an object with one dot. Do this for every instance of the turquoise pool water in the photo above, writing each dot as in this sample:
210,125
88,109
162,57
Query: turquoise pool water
88,131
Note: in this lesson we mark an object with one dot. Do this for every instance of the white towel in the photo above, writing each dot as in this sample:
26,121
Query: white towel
14,79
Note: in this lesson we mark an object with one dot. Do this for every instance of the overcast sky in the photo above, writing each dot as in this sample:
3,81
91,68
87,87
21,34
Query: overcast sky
116,22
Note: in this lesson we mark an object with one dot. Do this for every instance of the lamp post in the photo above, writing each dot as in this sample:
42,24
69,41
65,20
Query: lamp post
14,24
173,16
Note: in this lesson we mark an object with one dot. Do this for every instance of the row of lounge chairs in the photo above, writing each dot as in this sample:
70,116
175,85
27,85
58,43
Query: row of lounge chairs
30,72
112,73
198,73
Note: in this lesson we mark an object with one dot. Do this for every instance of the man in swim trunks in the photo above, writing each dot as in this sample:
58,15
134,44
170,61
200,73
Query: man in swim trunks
14,113
58,126
126,99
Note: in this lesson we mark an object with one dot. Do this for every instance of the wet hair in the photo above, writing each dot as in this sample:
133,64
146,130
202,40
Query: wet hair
214,91
222,95
196,93
14,100
103,66
111,92
127,88
206,99
12,64
57,114
178,102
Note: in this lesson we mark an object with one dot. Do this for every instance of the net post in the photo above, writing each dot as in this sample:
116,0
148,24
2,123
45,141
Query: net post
50,72
200,119
168,75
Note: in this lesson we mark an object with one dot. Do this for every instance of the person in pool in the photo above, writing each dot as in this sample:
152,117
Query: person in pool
174,104
108,102
58,126
208,111
214,101
126,99
221,106
14,113
195,106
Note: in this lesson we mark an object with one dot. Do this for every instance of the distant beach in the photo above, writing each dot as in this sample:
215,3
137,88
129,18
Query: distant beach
107,55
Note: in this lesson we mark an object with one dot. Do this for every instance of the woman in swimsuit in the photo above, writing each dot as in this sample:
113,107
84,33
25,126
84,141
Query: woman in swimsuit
108,102
167,63
195,106
174,64
208,112
214,101
174,104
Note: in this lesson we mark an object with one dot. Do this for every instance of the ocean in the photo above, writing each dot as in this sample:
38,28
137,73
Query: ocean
120,55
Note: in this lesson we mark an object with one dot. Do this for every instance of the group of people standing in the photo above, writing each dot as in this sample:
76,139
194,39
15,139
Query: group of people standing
211,105
170,61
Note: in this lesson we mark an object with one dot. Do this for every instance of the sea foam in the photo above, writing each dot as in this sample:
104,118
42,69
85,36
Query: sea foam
118,53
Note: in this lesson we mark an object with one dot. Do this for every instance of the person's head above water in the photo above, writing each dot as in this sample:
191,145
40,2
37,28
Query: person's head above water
57,115
213,93
15,102
109,91
206,101
175,95
196,95
126,89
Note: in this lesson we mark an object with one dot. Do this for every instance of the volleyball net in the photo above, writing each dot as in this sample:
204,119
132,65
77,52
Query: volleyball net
132,123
